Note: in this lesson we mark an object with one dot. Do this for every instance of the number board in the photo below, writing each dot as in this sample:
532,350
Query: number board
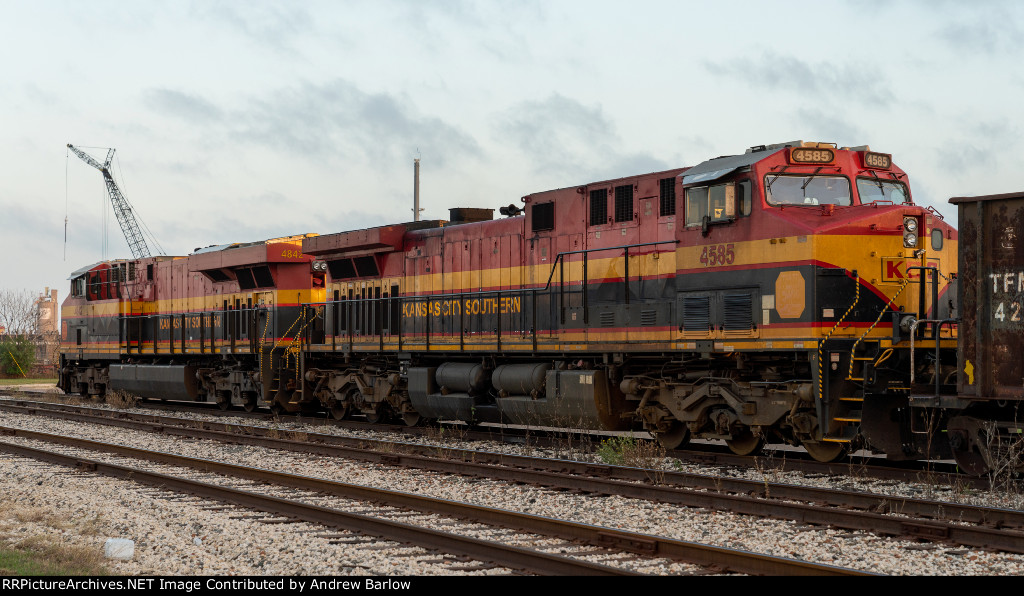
879,161
811,155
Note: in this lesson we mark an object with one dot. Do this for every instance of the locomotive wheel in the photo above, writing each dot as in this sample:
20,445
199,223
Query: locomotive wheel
745,443
675,437
376,415
250,405
339,410
412,418
223,404
825,452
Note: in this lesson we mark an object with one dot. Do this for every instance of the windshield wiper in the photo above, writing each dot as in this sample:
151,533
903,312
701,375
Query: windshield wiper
811,177
768,186
878,181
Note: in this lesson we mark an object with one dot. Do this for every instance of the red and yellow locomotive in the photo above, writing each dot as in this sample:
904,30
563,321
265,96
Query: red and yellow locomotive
793,293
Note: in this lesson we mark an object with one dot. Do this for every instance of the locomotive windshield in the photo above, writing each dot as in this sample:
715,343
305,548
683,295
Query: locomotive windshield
807,190
873,189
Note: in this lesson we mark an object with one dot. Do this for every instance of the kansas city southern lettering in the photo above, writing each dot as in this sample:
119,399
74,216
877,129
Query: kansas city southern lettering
477,306
190,322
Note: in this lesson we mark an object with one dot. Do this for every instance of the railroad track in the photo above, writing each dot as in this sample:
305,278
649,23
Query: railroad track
918,519
703,454
578,549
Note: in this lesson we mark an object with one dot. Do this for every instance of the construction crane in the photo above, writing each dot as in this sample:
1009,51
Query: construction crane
122,209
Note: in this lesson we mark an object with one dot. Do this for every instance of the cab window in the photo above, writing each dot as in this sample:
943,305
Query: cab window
807,190
718,203
873,189
78,287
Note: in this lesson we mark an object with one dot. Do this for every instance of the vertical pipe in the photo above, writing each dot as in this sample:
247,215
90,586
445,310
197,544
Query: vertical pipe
561,289
627,275
586,303
416,190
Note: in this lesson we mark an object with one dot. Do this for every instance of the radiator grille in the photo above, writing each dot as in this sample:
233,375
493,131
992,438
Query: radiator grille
697,316
738,313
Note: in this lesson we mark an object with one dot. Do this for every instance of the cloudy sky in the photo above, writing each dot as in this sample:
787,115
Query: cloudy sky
238,121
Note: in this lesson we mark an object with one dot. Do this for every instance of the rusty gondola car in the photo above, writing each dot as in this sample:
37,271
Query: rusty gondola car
985,432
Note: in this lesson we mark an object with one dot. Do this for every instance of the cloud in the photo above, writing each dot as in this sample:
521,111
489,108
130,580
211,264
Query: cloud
826,126
267,25
182,105
561,137
981,147
324,122
994,30
963,156
339,119
775,72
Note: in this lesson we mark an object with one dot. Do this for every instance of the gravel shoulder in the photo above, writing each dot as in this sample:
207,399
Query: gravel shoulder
185,537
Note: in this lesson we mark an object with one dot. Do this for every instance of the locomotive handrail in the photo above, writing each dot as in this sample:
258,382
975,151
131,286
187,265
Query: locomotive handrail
935,293
938,324
557,264
231,330
559,256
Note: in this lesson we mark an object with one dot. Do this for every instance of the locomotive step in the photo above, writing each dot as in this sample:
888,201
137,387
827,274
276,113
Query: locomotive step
848,434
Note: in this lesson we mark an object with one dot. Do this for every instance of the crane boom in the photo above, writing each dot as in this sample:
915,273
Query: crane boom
123,210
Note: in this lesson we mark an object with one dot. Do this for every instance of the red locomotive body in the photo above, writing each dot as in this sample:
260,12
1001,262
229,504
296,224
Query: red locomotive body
774,295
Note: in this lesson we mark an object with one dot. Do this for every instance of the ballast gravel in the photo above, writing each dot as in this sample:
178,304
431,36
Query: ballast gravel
178,535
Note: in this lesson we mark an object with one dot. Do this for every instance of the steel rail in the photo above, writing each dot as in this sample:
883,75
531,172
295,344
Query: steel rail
482,550
642,544
677,488
711,455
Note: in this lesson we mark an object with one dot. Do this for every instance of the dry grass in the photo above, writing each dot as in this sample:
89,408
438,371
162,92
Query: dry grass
27,381
53,545
122,399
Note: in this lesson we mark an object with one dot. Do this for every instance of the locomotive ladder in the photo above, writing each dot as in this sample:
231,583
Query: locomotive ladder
846,413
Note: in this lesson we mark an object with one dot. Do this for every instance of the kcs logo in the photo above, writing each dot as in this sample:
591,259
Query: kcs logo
897,270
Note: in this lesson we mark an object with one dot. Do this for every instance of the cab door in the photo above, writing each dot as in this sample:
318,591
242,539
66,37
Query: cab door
261,317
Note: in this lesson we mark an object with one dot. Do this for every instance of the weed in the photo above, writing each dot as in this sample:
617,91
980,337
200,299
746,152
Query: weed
444,436
571,439
122,399
46,550
627,450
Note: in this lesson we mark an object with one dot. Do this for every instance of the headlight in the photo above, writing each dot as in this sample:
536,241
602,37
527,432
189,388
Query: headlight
910,226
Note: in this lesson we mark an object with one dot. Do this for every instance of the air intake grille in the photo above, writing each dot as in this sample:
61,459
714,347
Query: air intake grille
624,203
738,312
599,207
697,315
543,217
668,196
